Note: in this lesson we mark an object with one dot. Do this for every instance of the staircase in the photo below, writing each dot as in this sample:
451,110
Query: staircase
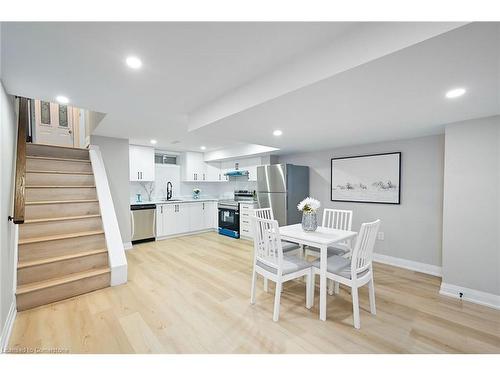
62,248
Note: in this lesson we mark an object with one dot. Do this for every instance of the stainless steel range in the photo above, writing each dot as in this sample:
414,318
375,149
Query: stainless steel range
229,212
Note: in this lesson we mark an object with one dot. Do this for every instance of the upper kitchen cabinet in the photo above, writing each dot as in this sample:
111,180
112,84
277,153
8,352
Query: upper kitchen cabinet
214,172
141,163
227,166
250,165
193,167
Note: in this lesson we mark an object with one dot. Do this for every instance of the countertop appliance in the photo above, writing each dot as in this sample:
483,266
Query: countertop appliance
281,187
142,220
229,212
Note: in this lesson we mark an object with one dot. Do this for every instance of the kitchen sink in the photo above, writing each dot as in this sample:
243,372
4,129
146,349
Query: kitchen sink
171,200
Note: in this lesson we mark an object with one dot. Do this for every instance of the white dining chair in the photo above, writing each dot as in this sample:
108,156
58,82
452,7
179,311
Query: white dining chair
356,271
267,213
270,262
335,219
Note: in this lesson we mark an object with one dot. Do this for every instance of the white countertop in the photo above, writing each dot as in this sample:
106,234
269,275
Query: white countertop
177,201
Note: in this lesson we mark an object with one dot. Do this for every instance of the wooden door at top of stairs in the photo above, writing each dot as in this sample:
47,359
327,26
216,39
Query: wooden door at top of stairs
54,123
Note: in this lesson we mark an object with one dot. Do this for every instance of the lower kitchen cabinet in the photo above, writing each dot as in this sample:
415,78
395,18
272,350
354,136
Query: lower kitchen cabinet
211,214
179,218
246,212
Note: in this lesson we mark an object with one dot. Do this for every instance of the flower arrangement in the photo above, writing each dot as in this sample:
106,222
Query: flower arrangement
309,205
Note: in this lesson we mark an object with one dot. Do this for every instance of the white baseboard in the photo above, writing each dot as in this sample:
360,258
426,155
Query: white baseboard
408,264
470,295
7,328
127,245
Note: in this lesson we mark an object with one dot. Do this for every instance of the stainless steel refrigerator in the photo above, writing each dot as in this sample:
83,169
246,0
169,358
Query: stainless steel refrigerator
282,187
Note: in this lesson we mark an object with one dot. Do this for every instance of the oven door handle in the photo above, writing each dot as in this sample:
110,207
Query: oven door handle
228,208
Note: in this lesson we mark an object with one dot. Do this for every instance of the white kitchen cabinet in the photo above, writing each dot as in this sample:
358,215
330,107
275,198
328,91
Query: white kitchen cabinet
141,163
193,167
246,212
159,220
184,217
250,164
214,172
166,223
196,216
227,166
210,215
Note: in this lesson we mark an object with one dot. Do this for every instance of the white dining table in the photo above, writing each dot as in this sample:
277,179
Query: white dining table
321,239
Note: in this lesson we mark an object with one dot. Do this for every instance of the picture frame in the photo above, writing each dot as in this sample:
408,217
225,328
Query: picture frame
372,178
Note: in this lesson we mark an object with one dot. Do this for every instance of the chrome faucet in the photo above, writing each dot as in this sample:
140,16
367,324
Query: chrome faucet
169,190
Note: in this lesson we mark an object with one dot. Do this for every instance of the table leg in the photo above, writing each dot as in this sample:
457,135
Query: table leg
322,283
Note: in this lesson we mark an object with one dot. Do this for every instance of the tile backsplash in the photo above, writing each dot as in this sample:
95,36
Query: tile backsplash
165,173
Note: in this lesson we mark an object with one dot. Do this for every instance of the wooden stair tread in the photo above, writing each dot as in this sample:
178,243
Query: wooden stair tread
39,262
57,159
63,202
59,186
58,146
59,237
62,218
32,287
60,172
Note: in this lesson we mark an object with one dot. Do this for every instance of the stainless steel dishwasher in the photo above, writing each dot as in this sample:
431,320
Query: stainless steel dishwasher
143,220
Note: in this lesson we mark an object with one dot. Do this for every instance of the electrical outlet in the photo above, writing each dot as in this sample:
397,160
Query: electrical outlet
380,236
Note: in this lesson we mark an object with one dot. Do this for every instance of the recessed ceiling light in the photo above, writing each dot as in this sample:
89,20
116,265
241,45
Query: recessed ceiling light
133,62
62,99
153,141
277,133
455,93
203,148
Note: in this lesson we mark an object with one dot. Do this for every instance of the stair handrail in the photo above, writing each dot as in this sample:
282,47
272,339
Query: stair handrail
20,181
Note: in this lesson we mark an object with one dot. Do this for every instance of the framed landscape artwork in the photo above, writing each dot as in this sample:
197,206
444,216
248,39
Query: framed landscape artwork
367,178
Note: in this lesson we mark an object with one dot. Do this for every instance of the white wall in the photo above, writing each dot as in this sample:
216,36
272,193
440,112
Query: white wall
163,174
8,137
413,229
115,155
471,216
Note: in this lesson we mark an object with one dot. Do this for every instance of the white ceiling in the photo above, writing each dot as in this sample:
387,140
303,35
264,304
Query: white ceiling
190,65
401,95
185,66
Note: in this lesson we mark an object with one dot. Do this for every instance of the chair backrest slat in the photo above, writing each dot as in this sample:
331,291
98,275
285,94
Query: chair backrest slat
362,254
264,213
337,219
267,242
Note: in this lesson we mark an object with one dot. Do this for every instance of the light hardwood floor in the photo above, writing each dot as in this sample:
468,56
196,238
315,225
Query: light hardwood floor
192,295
